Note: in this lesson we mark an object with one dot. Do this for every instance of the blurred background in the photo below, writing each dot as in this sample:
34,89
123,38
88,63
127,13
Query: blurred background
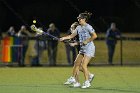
63,12
16,13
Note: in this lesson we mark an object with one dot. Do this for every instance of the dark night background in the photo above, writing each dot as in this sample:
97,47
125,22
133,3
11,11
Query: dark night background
126,13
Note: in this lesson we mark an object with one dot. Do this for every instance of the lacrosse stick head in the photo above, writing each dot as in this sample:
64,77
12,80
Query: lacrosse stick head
34,28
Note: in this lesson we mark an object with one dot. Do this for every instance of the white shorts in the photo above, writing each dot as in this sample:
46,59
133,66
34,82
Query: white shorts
88,49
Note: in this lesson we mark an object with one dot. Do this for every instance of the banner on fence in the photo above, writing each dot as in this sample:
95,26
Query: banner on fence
11,49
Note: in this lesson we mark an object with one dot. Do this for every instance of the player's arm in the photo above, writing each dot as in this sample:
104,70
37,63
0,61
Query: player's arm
69,36
93,36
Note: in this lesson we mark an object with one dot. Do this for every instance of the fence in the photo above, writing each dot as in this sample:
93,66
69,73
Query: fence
126,52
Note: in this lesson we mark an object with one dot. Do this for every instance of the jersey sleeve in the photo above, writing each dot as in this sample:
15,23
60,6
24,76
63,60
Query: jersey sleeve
91,30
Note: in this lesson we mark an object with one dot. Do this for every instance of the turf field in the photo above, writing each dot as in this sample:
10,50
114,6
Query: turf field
50,80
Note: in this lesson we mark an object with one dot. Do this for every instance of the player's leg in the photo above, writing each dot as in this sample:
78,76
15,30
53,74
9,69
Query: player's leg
85,62
91,76
77,64
74,78
76,67
77,76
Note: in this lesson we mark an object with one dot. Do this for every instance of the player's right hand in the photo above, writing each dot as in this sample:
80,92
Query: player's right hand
62,39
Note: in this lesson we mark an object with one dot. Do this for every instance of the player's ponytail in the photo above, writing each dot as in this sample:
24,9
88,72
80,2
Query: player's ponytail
88,15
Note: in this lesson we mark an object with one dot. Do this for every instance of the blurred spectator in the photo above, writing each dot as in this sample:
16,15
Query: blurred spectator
0,35
40,46
52,44
0,43
11,31
111,39
24,34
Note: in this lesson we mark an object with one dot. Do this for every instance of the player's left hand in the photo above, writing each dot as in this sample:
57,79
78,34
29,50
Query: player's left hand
85,42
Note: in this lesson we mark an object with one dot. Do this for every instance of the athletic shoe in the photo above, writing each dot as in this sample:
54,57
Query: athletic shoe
91,77
86,84
71,80
77,84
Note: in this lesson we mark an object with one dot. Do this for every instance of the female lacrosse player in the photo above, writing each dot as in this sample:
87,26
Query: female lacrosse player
72,80
87,49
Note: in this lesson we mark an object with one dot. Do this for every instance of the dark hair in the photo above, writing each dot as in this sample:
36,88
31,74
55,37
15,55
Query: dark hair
85,15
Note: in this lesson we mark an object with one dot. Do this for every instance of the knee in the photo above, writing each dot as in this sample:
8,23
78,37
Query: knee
76,63
84,66
81,69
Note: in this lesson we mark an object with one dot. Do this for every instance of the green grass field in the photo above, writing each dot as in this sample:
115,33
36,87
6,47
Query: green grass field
50,80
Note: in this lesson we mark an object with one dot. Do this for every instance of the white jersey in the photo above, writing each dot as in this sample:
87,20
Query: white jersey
84,32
